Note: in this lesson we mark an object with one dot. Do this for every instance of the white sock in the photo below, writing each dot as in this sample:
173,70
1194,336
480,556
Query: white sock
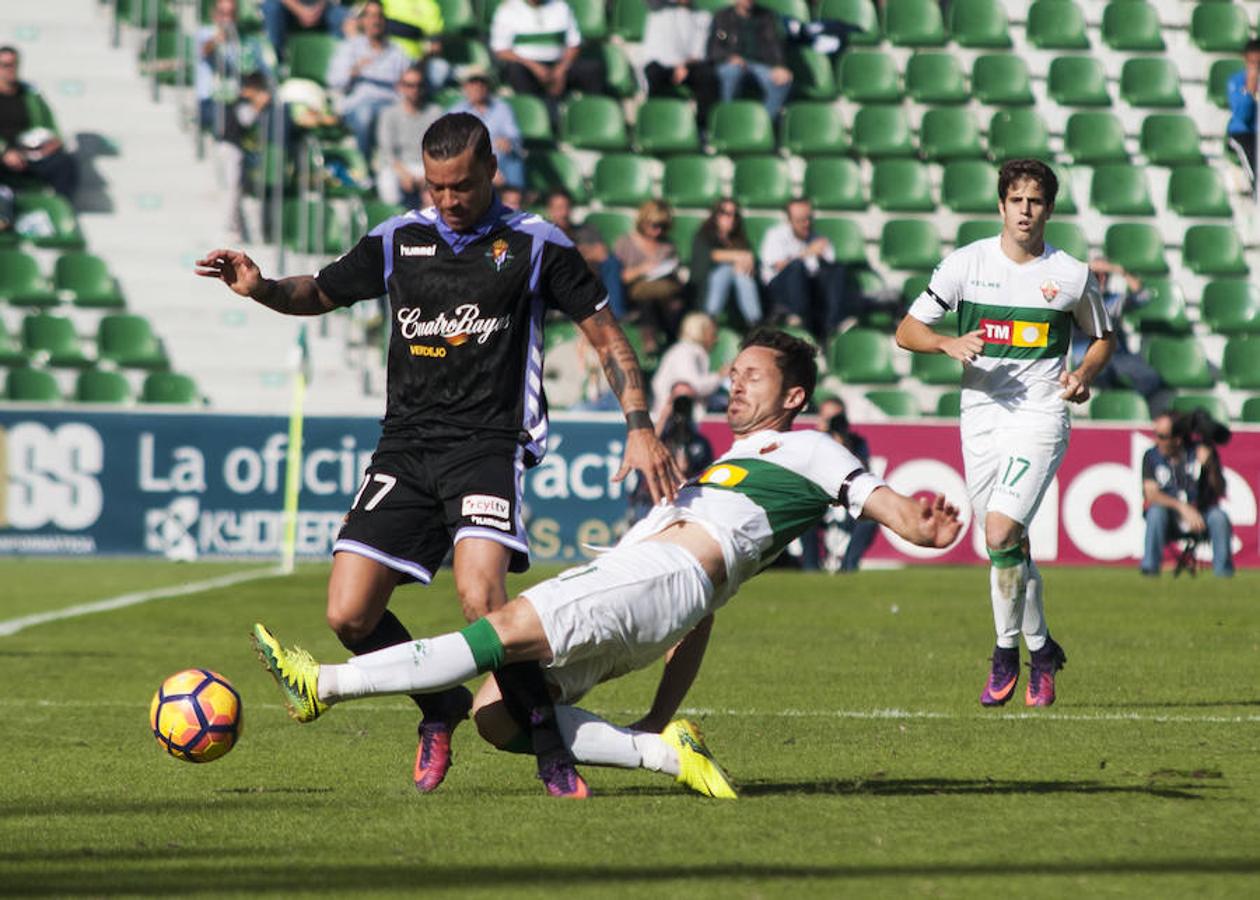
1034,625
414,667
598,742
1006,591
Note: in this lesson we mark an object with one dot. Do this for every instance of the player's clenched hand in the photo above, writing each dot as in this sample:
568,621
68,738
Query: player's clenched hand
655,464
1075,388
233,268
938,521
966,347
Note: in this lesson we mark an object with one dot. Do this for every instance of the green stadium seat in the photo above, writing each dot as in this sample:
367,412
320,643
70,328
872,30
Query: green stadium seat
812,128
896,403
129,341
1131,25
377,211
458,16
21,282
591,18
911,244
1180,362
756,226
846,238
1078,81
1094,138
617,72
1231,306
1150,82
1068,237
1119,405
309,53
973,230
1056,25
1212,405
949,405
628,19
834,182
1240,366
902,185
11,353
741,126
546,169
935,368
1018,133
912,287
762,182
666,125
1219,27
692,180
611,224
1198,190
868,76
793,9
623,179
1250,411
1119,189
51,219
321,233
813,77
163,48
1218,75
1137,247
881,131
98,386
726,348
914,23
936,77
532,119
1164,312
1213,250
683,233
25,385
84,279
949,133
169,387
856,12
979,23
1064,202
970,186
53,339
861,356
595,123
1170,139
1001,79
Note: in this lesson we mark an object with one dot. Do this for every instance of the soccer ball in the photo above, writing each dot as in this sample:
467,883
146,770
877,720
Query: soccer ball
196,715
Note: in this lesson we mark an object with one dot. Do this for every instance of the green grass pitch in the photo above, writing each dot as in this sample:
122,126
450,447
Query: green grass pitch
845,707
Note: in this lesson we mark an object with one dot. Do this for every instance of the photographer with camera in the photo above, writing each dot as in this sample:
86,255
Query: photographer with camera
1182,486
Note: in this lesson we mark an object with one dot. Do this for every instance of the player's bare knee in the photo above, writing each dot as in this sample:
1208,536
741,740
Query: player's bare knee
1003,533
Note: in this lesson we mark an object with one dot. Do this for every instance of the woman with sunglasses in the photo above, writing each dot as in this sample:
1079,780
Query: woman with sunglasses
722,262
649,264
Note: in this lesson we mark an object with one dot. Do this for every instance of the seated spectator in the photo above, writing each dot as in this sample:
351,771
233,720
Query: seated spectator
364,72
29,144
500,121
674,44
282,16
745,41
1241,90
649,269
538,42
512,197
415,27
722,263
1182,486
592,247
807,286
687,362
223,56
399,130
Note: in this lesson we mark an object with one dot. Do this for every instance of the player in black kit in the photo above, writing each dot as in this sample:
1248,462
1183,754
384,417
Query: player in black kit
469,281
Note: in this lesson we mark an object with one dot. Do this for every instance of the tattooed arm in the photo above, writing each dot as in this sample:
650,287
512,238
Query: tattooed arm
297,296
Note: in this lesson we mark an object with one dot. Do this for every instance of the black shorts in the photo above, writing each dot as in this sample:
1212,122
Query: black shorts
415,504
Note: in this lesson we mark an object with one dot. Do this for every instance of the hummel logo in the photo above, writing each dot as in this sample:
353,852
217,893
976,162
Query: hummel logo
420,250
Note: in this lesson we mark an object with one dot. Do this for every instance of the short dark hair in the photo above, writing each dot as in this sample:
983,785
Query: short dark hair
554,193
796,358
1014,170
1252,46
9,48
454,133
254,81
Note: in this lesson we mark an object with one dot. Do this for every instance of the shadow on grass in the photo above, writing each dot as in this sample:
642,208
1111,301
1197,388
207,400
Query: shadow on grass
928,787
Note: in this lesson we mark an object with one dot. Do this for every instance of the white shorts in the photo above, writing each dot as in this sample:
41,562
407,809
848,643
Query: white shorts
1010,460
618,613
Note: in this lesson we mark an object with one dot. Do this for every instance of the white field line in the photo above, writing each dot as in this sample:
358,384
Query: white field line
13,626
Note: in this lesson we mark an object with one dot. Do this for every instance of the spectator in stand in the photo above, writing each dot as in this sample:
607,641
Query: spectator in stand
674,42
807,286
29,144
744,41
649,269
512,197
687,362
500,121
415,28
722,263
837,524
221,51
282,16
592,247
538,42
364,72
1242,90
399,130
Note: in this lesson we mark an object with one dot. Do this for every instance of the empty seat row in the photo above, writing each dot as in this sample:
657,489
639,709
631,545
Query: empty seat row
124,340
78,277
30,385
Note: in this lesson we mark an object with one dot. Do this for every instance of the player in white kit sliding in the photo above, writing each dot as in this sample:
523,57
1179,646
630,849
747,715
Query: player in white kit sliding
1016,298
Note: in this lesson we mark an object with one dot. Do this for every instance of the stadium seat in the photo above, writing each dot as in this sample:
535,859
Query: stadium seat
161,52
1240,366
692,180
1131,25
1219,27
1064,202
628,19
895,402
813,76
902,185
861,356
936,77
846,238
868,76
26,385
169,387
741,126
1119,405
1119,189
1001,79
762,182
617,72
970,186
1213,250
860,13
973,230
611,224
53,339
309,53
1180,362
1198,190
1056,25
595,123
546,169
1218,75
11,353
1093,138
98,386
979,23
911,244
1170,139
1214,406
813,129
912,287
725,348
948,133
1151,82
321,233
591,19
1137,247
129,341
834,183
935,368
1231,306
881,131
666,125
84,279
458,16
623,179
1164,312
532,119
914,23
792,9
949,405
52,219
1068,237
1078,81
683,233
21,282
756,227
1250,411
1018,133
377,211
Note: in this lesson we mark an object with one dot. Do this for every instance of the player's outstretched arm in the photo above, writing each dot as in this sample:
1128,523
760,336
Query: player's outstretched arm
296,296
682,664
928,523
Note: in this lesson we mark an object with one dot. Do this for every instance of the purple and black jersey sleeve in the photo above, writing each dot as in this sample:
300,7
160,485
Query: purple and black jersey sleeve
357,275
567,283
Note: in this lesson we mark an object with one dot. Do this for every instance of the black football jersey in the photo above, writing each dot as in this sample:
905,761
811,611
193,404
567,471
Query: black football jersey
466,310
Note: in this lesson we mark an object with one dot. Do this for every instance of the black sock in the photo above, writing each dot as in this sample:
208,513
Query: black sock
528,702
390,631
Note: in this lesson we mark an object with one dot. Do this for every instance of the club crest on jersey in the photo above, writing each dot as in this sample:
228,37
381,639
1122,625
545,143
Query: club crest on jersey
498,254
1049,289
723,475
